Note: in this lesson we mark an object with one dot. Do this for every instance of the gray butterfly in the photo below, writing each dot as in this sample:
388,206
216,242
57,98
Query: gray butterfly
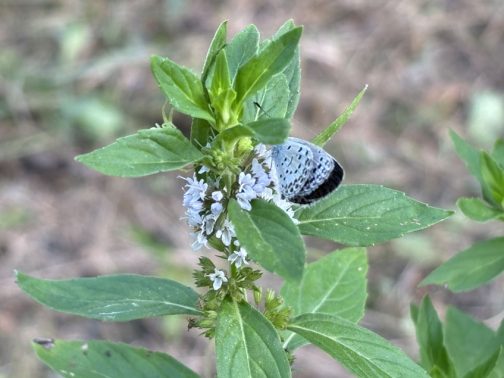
305,171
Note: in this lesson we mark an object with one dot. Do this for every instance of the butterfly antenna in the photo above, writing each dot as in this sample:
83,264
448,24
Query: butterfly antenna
212,131
262,109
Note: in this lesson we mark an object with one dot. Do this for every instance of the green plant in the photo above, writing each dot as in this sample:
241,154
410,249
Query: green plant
233,206
464,347
485,260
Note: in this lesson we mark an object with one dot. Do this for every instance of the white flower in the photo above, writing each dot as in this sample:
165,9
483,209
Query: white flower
217,195
209,223
246,192
216,208
200,240
263,179
261,150
268,194
217,277
195,189
194,218
255,183
257,168
245,198
226,232
203,169
238,258
193,200
246,181
192,203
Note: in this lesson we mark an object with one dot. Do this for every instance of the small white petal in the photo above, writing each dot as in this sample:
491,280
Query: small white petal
226,232
244,203
238,258
260,149
226,238
209,223
217,195
216,208
203,169
217,277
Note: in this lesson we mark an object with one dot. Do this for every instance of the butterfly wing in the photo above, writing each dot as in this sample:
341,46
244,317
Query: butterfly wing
305,171
322,166
293,163
326,176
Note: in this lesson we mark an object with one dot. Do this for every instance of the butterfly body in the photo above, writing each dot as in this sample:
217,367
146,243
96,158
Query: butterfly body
305,171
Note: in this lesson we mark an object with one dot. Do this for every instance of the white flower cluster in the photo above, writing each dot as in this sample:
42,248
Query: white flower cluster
203,209
252,185
204,203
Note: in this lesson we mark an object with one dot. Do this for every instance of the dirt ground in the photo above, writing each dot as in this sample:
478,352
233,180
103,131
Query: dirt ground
74,75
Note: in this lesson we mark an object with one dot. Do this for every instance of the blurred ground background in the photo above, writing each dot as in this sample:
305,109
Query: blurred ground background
75,74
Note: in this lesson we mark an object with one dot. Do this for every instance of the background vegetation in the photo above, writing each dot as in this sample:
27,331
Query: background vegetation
74,75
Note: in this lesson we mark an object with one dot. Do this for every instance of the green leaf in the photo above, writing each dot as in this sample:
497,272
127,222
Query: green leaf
233,134
115,298
217,44
242,47
280,93
478,210
257,72
100,359
500,332
475,164
493,179
183,88
486,368
467,341
361,351
292,72
247,345
468,154
361,215
147,152
269,131
273,100
221,81
334,284
498,370
414,312
470,268
429,332
498,152
222,95
324,137
436,372
200,132
286,26
270,238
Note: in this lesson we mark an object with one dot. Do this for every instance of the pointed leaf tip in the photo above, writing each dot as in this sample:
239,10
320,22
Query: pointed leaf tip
324,137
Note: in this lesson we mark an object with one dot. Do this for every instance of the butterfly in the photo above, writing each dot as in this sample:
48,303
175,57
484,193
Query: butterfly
305,171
